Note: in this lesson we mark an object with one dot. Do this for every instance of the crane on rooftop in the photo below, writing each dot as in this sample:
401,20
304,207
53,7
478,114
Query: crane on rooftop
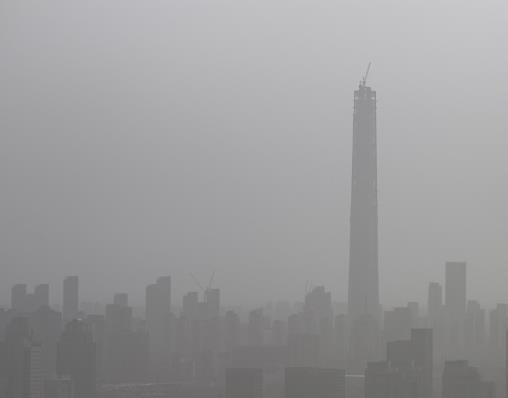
364,78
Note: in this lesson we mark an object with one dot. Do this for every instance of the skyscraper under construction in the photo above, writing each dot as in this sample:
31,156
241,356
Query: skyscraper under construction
363,295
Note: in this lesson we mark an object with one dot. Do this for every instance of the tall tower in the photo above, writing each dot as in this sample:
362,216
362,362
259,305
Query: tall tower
363,301
363,250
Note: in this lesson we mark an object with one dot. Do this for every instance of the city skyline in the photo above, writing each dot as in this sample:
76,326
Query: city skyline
131,139
253,199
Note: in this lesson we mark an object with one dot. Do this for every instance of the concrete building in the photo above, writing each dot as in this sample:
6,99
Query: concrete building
70,299
363,251
59,387
460,380
76,358
363,289
244,383
406,372
158,316
22,361
455,289
435,301
304,382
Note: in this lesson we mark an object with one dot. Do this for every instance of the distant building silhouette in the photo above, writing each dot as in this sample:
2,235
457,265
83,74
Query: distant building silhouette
121,299
231,331
506,363
46,325
455,307
363,289
382,380
76,358
70,299
244,383
397,324
455,289
41,296
212,300
256,327
158,316
498,323
422,351
435,301
474,329
190,306
23,356
460,380
97,325
363,251
407,370
59,387
304,382
126,351
23,302
303,350
18,297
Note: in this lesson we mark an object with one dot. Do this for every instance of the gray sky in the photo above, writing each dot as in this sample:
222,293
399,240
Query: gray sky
141,138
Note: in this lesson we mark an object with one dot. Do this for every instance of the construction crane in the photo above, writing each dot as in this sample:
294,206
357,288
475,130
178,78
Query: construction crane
197,282
211,281
364,78
200,286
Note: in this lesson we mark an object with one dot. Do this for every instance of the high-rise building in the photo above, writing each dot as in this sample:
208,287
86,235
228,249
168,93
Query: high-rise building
41,296
318,303
460,380
506,363
414,310
303,350
422,356
455,309
18,297
22,366
231,333
363,250
212,300
474,328
70,303
47,329
340,332
244,383
455,289
23,302
59,387
397,324
124,348
190,306
3,369
363,289
435,301
407,370
121,299
76,358
382,380
37,374
158,315
304,382
255,329
97,325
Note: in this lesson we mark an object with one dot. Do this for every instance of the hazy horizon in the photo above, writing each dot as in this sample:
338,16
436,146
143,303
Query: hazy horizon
142,139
